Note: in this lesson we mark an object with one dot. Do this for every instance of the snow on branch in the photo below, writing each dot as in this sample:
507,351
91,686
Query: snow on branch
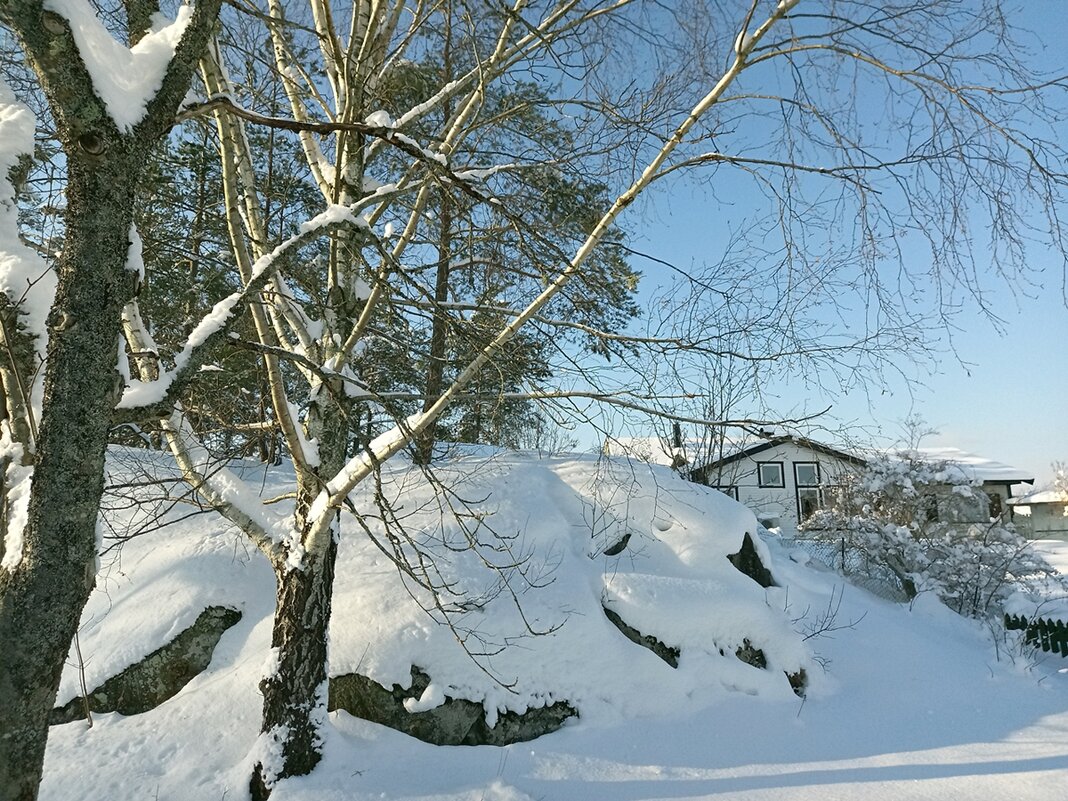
227,493
25,278
156,398
125,79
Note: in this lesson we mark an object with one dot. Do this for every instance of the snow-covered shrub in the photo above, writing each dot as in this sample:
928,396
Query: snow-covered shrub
928,522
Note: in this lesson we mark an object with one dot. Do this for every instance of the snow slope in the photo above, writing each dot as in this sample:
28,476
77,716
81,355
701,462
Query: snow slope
903,703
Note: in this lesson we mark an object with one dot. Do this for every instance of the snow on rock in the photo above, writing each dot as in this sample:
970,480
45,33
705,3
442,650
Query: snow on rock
155,585
539,615
528,630
125,79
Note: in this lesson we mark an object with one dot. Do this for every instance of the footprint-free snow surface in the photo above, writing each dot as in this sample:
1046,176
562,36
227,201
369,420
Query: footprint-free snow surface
901,702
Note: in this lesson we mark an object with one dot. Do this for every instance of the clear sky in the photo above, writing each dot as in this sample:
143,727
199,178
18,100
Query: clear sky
1000,393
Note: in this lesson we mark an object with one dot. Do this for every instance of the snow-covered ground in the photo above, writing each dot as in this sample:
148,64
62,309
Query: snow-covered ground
903,703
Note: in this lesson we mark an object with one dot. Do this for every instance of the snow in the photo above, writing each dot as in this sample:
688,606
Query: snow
17,477
333,215
379,119
1043,495
308,447
25,277
30,284
145,393
419,110
696,452
125,79
904,702
976,467
134,260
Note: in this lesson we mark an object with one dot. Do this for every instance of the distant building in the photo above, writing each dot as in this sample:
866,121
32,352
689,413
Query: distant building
785,478
1046,509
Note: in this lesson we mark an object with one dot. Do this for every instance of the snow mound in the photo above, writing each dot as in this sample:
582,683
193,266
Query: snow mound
534,615
514,546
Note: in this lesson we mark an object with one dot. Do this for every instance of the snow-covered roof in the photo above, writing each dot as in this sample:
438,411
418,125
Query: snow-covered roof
654,450
978,467
696,453
1042,495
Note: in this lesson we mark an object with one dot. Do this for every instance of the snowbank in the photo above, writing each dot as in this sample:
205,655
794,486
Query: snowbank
903,702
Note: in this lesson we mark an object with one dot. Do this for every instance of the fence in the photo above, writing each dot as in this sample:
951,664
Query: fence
1044,633
854,564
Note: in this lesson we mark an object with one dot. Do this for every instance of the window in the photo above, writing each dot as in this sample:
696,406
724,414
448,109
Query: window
729,491
930,508
809,499
995,505
806,474
769,474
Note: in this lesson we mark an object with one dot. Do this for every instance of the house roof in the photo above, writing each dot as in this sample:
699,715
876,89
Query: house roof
978,467
654,450
974,467
762,444
1041,496
693,451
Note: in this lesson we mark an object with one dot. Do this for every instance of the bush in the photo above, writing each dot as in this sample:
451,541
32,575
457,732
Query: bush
928,523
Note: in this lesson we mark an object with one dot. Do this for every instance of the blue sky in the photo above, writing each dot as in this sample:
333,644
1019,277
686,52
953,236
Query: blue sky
1001,391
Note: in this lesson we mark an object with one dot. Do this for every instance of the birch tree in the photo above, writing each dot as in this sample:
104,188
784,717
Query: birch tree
111,104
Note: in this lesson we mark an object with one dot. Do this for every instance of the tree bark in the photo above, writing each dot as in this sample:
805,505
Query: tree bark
294,697
435,371
41,601
42,597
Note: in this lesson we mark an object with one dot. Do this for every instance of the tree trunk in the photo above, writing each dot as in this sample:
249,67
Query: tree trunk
42,598
435,371
294,697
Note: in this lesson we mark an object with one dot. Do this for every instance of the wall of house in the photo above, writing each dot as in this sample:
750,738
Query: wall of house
1048,521
778,506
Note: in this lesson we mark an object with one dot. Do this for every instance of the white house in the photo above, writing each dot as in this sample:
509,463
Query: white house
1047,510
784,478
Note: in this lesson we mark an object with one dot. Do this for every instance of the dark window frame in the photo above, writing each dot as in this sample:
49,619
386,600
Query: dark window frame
730,490
819,475
782,475
801,516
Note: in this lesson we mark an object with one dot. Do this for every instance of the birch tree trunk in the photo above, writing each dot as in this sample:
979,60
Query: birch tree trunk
294,697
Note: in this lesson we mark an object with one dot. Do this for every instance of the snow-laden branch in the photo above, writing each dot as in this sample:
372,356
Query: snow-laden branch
221,488
227,493
26,279
143,399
